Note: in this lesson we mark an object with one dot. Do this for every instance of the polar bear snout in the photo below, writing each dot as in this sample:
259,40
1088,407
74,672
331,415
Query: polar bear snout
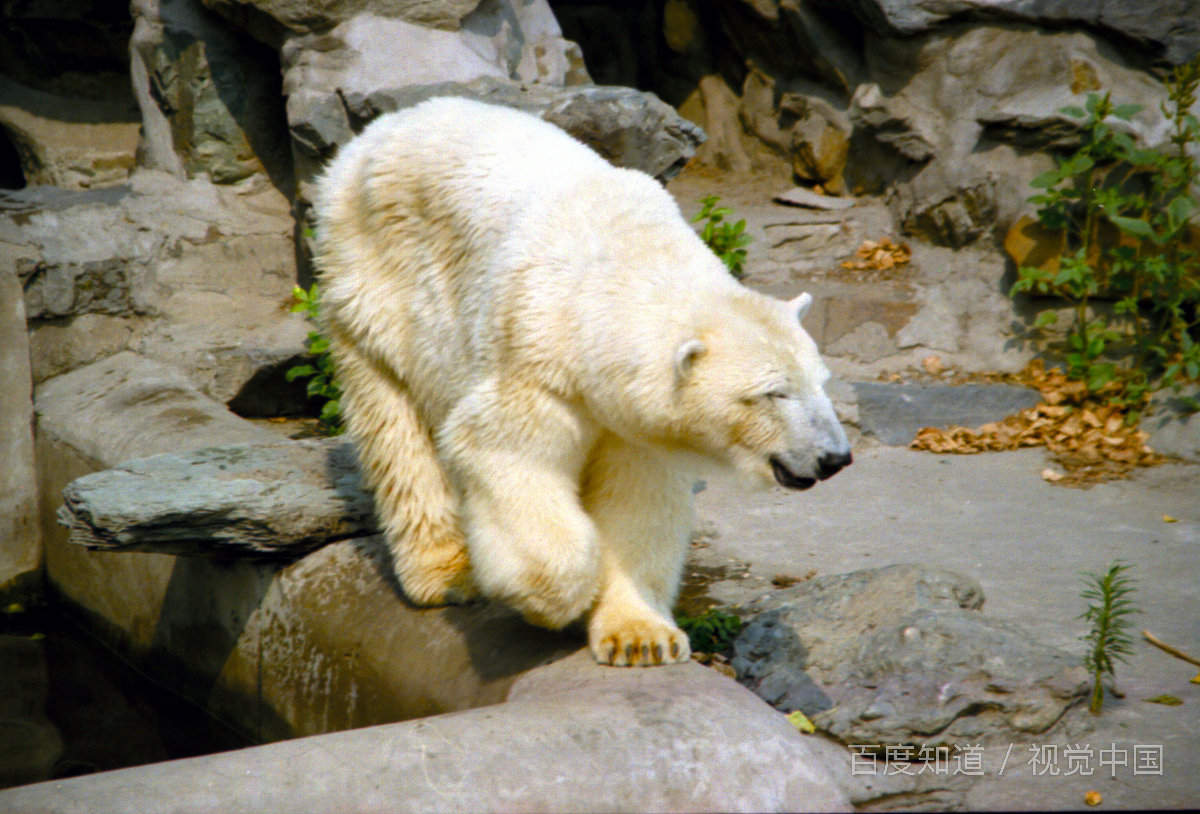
831,463
827,465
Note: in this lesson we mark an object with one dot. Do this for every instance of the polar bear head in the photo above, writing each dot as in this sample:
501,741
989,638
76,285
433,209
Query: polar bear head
751,389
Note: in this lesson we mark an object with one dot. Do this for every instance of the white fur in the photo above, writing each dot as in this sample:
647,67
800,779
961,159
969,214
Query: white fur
533,346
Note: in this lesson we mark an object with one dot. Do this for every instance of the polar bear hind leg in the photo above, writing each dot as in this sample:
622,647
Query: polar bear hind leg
413,498
642,507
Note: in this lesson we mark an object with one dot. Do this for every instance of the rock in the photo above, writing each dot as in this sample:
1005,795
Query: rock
1174,423
802,196
209,95
186,271
128,406
895,413
832,613
30,744
60,346
67,141
269,20
627,127
973,102
504,53
674,738
20,540
367,53
283,498
65,101
1170,30
899,655
941,678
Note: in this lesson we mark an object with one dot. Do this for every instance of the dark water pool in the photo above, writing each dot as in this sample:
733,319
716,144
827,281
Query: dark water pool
107,715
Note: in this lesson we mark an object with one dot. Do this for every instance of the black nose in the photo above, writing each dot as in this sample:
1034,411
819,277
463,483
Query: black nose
831,463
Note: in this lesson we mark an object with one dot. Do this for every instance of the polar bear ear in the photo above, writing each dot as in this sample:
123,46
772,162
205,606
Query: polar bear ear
686,356
799,305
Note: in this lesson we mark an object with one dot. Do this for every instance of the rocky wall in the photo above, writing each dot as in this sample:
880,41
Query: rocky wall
944,108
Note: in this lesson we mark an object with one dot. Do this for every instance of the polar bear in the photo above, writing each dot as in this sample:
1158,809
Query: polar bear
538,354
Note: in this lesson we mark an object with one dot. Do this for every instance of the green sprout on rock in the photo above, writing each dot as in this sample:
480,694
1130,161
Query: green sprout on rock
725,239
1109,637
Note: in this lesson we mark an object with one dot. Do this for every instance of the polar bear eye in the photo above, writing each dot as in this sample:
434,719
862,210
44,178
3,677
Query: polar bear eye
777,394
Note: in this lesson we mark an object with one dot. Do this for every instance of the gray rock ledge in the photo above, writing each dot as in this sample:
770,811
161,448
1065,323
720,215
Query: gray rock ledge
289,497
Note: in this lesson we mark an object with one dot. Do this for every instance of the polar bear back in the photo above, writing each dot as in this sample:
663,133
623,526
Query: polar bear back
481,232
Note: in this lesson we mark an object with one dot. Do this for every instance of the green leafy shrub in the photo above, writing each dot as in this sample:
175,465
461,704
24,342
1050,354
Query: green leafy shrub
725,239
710,632
1122,214
322,383
1108,639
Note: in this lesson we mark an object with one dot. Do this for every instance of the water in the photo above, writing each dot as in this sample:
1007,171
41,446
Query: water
55,677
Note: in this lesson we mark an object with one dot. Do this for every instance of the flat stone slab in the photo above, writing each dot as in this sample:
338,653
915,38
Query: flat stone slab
802,196
289,497
895,413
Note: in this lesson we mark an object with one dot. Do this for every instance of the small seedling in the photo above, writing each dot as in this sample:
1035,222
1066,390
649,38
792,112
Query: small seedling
711,631
1108,638
321,380
725,239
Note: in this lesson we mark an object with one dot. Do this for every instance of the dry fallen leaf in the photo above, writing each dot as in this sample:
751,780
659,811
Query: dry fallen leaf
1165,700
1168,519
874,255
798,720
1089,437
1093,798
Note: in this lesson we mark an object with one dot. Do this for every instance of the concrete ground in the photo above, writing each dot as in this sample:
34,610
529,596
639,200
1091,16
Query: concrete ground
994,518
989,516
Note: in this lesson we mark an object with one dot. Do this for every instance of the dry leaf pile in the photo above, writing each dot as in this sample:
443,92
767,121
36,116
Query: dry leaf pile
875,255
1089,438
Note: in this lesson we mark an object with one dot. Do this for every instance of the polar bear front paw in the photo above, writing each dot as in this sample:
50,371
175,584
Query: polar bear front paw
639,642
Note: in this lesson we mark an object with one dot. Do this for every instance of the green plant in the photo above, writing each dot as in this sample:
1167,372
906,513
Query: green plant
322,383
1121,214
725,239
711,631
1108,639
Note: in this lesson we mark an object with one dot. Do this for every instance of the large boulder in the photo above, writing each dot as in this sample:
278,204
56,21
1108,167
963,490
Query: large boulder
951,117
209,95
1170,30
271,20
20,540
572,736
504,51
900,655
187,271
67,141
276,648
627,127
66,107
